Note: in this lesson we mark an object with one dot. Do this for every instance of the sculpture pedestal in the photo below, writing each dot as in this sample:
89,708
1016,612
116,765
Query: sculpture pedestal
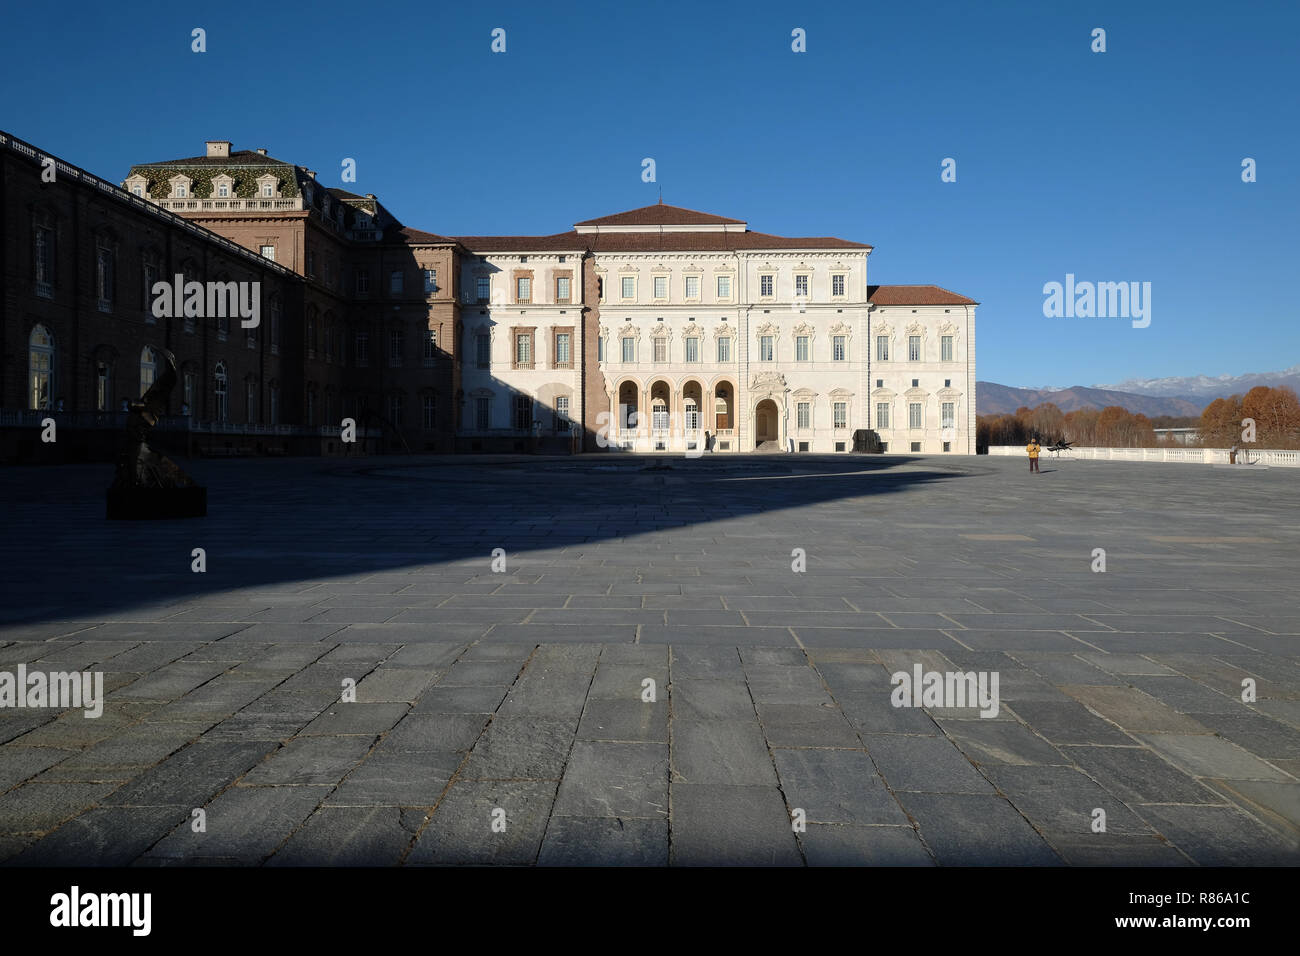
144,504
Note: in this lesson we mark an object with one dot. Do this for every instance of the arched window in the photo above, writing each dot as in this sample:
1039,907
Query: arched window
40,365
148,369
219,382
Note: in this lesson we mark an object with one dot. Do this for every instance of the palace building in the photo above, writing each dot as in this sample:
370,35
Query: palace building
657,329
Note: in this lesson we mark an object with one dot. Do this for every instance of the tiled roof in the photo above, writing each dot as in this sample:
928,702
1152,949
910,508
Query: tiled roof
240,157
405,234
609,242
660,215
914,295
567,241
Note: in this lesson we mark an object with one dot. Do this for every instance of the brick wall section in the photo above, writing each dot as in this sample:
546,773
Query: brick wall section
82,216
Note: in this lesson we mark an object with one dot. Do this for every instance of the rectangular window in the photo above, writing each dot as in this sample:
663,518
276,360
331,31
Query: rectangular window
363,349
916,446
629,287
949,414
430,346
629,349
766,348
945,348
430,412
395,283
103,388
882,348
692,349
947,446
395,346
724,349
661,350
841,414
275,405
44,262
523,289
150,277
484,284
363,282
395,408
482,413
914,415
268,252
311,264
839,349
882,414
563,352
724,287
661,287
104,279
483,350
801,286
801,348
250,402
914,348
766,284
805,414
562,289
692,287
837,285
524,350
430,280
562,413
600,349
523,413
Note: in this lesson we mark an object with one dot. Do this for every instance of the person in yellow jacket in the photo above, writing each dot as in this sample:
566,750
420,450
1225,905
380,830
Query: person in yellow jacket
1033,449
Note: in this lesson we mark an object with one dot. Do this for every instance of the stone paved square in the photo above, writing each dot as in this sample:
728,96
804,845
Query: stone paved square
648,680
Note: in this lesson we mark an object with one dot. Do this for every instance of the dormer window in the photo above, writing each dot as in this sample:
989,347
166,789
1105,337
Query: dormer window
268,187
223,191
136,184
223,186
180,187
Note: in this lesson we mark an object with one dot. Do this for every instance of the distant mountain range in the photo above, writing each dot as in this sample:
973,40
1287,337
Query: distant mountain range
994,399
1204,388
1149,396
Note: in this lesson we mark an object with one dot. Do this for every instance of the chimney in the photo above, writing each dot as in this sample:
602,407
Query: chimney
370,195
219,147
261,151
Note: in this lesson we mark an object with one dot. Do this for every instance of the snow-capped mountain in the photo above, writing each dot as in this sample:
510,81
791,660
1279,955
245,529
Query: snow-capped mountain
1207,387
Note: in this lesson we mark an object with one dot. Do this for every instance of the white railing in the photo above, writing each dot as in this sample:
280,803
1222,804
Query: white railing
1280,458
191,204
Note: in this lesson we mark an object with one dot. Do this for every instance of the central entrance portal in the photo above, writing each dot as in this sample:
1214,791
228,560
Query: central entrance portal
765,422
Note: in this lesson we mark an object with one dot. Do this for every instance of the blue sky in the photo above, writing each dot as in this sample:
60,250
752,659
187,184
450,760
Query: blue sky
1115,166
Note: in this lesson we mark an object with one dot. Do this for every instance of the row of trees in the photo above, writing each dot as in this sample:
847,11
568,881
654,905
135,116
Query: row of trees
1112,427
1275,412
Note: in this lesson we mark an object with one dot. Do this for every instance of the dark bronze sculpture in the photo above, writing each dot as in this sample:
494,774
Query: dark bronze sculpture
148,484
